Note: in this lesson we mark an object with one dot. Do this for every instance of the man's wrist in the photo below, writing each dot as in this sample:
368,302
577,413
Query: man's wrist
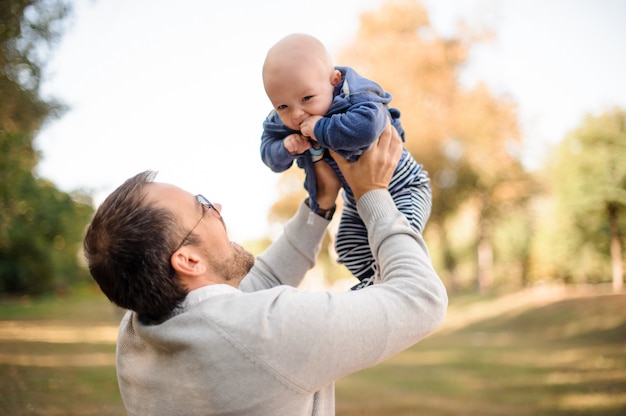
324,213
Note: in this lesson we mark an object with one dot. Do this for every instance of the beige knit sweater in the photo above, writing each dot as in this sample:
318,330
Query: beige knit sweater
268,348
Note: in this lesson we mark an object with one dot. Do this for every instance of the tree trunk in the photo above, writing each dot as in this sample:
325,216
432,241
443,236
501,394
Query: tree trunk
484,257
485,265
617,266
449,262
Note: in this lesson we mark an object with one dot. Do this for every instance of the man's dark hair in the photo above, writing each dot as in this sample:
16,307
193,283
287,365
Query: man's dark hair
128,247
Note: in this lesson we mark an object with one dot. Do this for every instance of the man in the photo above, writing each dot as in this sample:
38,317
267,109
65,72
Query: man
210,331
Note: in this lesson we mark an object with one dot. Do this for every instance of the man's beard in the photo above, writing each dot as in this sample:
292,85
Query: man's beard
244,260
235,268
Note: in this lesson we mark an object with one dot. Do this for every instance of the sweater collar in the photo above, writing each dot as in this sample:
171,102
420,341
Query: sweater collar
198,295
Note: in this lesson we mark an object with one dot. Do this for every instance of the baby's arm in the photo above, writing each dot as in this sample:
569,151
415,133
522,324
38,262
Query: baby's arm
354,130
307,127
296,143
274,153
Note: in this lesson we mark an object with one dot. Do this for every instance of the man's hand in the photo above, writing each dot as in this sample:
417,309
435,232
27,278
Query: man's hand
296,144
375,167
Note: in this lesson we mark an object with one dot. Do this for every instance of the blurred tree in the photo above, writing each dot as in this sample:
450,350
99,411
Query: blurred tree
590,172
467,139
290,193
40,227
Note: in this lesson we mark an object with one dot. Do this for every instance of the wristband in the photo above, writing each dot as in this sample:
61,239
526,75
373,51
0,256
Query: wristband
324,213
317,152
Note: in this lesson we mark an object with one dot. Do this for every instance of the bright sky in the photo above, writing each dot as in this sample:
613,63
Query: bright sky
175,86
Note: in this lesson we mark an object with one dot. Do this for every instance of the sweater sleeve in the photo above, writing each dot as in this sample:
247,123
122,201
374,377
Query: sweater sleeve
287,260
323,336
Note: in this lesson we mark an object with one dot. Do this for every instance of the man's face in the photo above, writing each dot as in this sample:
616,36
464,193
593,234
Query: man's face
225,261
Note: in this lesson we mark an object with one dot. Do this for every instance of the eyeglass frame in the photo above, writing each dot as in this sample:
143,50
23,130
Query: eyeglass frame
206,206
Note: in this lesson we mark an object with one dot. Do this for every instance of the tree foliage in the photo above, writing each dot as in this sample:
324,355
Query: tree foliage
589,172
467,139
493,223
40,226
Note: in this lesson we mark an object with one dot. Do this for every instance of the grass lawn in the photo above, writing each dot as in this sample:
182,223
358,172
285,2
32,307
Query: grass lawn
525,354
57,357
530,353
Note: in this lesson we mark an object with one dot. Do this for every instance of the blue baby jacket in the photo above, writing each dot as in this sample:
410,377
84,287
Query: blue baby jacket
355,120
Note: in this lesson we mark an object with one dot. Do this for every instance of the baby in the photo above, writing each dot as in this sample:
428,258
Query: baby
319,106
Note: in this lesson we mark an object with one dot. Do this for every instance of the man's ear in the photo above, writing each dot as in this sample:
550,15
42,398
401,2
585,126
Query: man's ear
187,263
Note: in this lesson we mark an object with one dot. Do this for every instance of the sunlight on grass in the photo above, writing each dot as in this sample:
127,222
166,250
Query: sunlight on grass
59,360
56,333
30,334
592,401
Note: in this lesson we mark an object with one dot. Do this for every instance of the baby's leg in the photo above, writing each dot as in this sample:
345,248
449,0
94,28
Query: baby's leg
352,246
410,190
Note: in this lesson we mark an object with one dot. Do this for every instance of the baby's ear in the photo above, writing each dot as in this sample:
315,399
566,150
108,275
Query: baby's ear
335,77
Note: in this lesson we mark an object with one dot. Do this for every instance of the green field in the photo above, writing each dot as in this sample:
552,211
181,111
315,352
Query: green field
537,352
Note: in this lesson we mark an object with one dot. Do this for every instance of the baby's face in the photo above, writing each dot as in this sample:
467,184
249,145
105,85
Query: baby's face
301,91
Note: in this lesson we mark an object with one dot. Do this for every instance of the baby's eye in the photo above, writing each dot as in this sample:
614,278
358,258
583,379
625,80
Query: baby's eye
281,107
307,98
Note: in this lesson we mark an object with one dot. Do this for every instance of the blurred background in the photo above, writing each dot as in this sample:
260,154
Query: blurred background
516,109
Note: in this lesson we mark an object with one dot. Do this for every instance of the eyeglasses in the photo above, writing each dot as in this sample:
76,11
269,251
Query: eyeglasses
206,206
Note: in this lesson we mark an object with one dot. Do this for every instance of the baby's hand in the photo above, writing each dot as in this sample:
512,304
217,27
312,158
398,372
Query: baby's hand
296,144
307,127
